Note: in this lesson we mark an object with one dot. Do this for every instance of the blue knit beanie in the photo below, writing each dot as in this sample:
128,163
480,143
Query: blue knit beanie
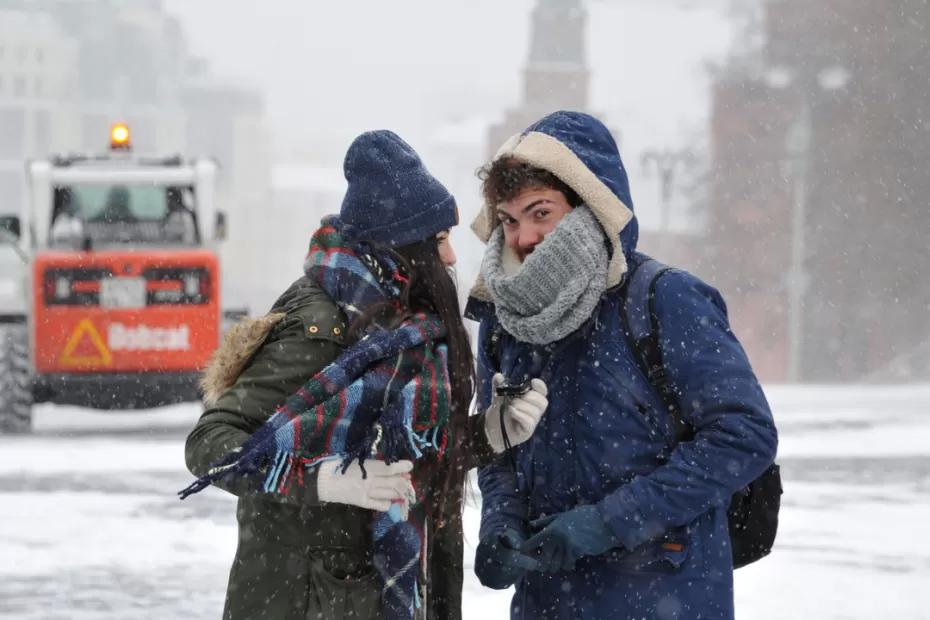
392,198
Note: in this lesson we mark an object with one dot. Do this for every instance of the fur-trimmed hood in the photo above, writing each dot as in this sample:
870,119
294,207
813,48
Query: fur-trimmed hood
579,150
239,345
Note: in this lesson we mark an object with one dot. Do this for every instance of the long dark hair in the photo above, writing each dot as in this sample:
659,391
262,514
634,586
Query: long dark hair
431,288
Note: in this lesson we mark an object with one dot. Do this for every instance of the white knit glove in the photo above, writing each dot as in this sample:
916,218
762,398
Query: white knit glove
521,413
384,484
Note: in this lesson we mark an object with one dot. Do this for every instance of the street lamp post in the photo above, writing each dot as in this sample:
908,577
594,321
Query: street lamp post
797,144
809,85
666,161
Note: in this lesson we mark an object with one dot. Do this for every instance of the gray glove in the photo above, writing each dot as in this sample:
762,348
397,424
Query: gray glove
521,413
384,484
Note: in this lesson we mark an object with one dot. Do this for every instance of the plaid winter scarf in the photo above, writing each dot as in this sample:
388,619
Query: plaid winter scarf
388,396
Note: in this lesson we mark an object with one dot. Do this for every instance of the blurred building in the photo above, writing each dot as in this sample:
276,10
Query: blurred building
228,123
556,73
819,212
303,193
70,68
454,153
36,75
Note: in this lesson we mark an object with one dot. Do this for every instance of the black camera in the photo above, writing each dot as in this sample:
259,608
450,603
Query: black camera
509,388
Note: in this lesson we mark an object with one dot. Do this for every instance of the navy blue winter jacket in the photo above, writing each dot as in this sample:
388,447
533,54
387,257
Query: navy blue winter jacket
606,438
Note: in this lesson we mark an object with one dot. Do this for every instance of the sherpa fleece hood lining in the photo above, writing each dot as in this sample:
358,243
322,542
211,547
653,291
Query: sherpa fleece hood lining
543,151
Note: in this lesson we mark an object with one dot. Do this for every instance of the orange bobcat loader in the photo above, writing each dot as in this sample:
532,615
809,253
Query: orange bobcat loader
119,283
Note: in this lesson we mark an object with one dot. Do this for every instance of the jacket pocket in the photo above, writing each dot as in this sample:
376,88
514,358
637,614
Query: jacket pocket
666,555
341,587
270,581
267,583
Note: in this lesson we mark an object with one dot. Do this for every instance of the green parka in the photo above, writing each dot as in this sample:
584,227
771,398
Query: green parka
298,557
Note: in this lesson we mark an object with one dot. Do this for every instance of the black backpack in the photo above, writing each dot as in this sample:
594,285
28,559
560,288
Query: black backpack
753,511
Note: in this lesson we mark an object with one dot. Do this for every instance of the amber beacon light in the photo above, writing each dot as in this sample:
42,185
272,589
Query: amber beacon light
119,137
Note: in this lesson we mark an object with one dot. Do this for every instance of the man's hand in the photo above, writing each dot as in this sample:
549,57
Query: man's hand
384,484
521,413
499,562
567,537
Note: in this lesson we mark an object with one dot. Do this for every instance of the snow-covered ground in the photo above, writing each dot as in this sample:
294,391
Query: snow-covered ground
90,526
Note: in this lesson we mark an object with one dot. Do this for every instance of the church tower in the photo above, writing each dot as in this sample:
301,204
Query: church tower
556,74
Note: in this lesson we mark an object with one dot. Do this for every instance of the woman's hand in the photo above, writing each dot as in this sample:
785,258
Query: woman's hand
384,484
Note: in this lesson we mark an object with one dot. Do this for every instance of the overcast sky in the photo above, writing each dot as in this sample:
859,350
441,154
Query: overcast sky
330,70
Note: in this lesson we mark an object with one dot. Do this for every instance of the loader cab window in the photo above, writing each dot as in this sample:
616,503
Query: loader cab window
114,214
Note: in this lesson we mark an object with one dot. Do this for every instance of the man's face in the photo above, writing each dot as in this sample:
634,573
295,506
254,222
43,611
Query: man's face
529,217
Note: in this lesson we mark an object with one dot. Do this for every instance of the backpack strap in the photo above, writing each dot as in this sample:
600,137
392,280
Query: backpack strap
642,329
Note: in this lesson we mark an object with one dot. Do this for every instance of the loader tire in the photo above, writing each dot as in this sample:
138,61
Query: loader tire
15,380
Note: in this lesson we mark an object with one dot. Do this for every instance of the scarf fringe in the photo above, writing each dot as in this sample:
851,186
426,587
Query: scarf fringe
397,444
287,466
196,486
248,459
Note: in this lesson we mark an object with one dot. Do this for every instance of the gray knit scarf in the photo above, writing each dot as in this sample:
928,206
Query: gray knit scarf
558,285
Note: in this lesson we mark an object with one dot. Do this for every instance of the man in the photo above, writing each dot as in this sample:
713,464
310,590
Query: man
602,513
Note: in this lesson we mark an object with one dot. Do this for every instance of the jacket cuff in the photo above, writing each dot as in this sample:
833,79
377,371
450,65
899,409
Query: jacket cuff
622,514
498,523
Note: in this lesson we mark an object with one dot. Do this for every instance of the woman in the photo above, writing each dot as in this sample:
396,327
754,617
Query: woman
350,495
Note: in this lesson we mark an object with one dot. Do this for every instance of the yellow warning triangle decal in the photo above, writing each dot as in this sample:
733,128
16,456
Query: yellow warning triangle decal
103,356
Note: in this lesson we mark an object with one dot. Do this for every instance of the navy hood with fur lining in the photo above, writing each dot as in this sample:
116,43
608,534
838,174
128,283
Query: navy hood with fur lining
579,150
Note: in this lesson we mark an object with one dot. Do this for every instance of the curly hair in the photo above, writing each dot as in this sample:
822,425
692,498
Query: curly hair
507,177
